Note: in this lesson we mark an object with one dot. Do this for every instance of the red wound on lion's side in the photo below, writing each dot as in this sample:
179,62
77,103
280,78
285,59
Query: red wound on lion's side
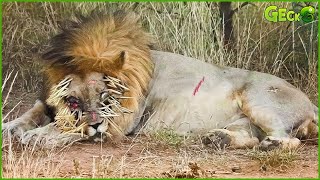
198,86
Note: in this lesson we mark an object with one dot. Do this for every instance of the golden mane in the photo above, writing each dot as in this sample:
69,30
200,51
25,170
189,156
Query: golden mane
113,43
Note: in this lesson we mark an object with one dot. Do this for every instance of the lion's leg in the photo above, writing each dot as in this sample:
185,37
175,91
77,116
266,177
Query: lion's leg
49,136
277,130
277,111
31,119
307,131
239,134
34,128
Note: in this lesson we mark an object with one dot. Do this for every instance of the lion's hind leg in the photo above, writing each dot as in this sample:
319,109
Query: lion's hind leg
239,134
278,110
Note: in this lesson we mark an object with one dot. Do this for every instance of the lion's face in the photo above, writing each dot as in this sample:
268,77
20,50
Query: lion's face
94,99
85,95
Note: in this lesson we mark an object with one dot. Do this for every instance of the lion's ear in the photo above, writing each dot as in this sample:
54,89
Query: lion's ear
121,60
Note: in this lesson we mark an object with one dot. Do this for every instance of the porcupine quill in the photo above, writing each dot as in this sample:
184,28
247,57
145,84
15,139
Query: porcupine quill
59,91
65,119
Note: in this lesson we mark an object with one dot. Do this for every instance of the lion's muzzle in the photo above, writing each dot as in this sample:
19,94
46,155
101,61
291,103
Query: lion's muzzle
97,132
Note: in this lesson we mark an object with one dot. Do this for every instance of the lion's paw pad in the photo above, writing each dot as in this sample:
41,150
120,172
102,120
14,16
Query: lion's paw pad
216,139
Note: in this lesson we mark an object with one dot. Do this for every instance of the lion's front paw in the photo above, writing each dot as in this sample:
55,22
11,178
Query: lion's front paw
15,128
49,136
270,143
218,139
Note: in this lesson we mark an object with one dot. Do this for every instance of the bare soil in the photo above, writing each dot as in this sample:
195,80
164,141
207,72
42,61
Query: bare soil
139,157
142,158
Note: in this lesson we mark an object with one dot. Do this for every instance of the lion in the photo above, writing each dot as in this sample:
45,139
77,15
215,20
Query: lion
101,72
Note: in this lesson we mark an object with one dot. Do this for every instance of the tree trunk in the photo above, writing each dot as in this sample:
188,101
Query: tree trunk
226,21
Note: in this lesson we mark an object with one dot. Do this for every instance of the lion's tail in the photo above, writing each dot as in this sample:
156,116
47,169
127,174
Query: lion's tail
308,131
312,128
316,115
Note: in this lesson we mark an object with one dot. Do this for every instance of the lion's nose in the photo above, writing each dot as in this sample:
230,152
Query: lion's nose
93,117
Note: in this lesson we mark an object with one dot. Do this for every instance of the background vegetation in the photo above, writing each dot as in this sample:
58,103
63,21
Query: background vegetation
288,50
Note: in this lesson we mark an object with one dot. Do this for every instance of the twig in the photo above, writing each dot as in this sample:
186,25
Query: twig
10,89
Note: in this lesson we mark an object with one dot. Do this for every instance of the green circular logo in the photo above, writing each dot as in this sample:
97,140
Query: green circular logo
307,14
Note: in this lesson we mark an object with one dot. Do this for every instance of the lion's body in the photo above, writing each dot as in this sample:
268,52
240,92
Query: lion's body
188,95
223,96
238,107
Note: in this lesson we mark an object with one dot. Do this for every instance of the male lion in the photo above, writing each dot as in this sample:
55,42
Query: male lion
101,73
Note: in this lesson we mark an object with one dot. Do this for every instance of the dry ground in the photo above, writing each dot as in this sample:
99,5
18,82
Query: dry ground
142,157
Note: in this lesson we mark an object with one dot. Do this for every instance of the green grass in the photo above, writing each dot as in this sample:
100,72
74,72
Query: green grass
168,137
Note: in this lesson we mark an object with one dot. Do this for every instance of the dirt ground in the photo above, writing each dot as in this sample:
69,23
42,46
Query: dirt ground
145,156
142,158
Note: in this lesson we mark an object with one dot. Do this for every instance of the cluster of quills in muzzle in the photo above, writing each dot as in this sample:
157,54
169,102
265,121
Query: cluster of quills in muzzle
72,121
111,106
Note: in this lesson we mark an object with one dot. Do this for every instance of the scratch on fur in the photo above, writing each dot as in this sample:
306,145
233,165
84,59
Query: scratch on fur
198,86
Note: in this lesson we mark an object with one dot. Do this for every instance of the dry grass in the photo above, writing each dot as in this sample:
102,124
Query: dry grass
21,162
287,50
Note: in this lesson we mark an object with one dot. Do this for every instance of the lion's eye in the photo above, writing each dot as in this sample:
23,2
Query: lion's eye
103,95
